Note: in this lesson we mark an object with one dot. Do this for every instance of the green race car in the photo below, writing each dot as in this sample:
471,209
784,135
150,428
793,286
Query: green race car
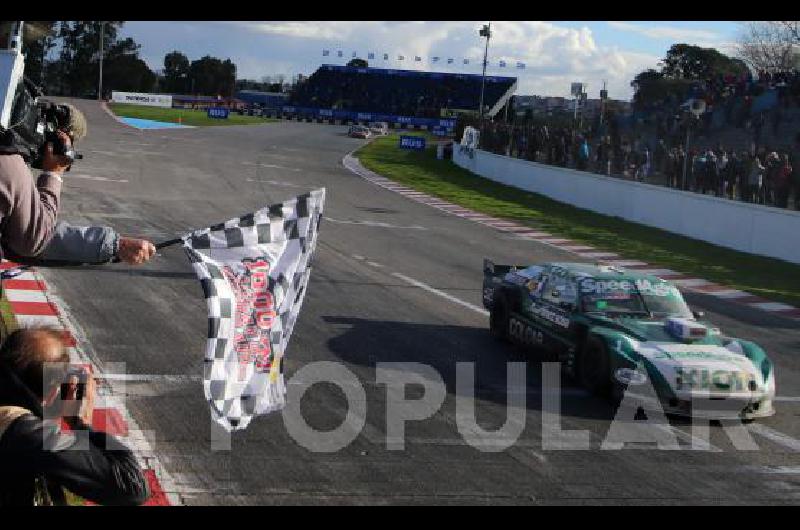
616,330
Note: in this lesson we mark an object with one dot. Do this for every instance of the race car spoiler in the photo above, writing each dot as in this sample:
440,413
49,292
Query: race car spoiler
490,268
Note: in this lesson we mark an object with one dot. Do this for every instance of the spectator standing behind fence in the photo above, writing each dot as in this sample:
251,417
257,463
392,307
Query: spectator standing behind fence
37,459
772,165
783,175
721,188
583,154
755,180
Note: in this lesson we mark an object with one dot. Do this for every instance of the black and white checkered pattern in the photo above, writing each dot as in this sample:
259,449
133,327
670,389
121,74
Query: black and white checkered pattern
285,235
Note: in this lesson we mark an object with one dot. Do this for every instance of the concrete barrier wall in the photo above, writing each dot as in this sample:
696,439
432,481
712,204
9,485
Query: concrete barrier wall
741,226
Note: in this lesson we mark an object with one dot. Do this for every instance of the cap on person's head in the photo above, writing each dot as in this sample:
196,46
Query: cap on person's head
77,127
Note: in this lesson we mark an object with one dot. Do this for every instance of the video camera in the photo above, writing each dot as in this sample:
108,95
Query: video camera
27,124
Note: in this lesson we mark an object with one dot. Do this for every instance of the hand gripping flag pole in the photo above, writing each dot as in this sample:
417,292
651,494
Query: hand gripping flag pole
254,271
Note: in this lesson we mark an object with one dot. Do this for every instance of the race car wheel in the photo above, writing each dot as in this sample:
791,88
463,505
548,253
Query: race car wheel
593,367
498,318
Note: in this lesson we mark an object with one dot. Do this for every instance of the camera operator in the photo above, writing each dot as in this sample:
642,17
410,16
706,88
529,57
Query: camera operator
37,459
28,214
28,208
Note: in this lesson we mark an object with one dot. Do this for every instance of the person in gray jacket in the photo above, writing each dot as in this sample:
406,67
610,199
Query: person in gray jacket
93,245
29,229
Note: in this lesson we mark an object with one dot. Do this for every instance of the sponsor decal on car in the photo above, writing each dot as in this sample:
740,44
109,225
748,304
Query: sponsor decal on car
707,379
644,286
550,315
524,332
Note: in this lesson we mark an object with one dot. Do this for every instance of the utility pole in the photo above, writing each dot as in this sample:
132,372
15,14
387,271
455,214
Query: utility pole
603,96
486,31
686,152
100,83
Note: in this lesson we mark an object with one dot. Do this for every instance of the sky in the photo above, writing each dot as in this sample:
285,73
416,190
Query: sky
556,53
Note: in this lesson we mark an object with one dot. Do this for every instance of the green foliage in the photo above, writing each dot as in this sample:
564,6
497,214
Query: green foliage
127,73
358,63
683,64
212,76
176,73
186,116
685,61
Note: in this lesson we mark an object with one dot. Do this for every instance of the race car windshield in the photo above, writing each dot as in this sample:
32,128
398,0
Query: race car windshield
632,297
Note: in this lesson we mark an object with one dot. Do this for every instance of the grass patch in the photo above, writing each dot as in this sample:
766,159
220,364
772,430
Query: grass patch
8,322
770,278
187,116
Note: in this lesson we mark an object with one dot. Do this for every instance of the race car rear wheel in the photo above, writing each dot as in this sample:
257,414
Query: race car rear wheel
593,367
498,318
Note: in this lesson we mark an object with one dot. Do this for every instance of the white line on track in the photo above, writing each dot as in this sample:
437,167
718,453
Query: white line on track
274,183
108,153
373,223
439,293
774,436
90,177
178,378
778,470
697,444
272,166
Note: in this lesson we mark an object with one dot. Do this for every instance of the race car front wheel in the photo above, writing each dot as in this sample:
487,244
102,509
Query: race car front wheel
593,367
498,318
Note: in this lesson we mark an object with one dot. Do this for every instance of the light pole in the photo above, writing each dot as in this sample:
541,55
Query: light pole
485,31
100,82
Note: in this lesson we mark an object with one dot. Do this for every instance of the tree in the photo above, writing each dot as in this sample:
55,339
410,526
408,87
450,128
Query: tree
176,73
77,67
358,63
212,76
685,61
652,86
682,65
127,73
769,45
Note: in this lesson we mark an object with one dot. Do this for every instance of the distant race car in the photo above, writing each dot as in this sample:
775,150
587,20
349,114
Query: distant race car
381,128
359,131
616,329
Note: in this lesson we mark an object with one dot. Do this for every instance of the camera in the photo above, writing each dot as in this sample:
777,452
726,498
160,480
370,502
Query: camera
33,124
82,376
27,124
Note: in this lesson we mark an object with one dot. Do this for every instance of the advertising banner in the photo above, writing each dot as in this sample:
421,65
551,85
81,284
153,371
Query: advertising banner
416,143
218,113
137,98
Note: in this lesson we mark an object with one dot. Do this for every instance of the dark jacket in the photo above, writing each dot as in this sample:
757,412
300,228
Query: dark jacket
90,464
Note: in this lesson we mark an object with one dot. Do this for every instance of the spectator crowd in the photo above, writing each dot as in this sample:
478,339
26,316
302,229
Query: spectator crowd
651,146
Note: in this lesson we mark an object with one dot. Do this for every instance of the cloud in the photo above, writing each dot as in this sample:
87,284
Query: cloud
671,33
303,29
554,55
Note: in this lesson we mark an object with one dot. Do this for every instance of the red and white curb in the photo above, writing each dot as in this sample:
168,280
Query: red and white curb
33,304
682,281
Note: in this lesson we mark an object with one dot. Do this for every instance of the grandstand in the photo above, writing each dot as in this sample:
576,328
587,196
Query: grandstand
407,93
267,100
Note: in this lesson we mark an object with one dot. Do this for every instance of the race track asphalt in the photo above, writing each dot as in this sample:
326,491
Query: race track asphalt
365,306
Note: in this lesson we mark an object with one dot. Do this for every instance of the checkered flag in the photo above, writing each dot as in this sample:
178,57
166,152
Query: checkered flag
254,271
